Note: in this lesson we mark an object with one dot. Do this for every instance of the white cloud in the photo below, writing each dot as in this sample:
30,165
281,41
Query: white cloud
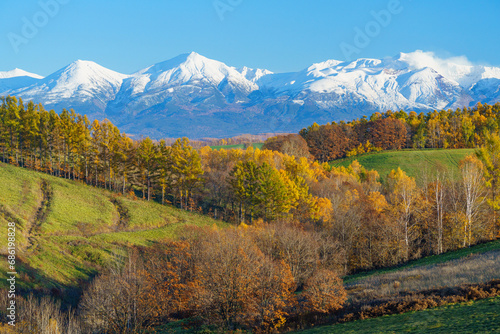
456,68
445,66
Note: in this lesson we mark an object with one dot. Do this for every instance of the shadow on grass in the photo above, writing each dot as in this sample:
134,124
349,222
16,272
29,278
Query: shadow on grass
33,281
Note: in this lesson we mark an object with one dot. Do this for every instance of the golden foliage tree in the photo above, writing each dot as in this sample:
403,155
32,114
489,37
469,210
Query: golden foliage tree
324,292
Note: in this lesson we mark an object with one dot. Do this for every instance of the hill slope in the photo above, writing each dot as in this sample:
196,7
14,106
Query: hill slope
66,230
413,162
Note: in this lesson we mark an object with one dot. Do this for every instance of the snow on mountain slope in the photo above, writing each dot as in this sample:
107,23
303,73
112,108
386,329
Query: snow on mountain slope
186,79
188,69
458,69
15,79
196,96
80,85
80,80
18,73
415,81
487,90
252,74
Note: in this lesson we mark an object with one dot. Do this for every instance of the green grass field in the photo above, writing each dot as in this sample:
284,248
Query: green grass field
413,162
482,316
240,146
80,232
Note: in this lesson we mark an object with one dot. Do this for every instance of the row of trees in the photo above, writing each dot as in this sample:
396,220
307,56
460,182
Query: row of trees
68,145
244,140
460,128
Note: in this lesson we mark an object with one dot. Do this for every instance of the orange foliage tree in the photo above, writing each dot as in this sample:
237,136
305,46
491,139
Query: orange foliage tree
324,292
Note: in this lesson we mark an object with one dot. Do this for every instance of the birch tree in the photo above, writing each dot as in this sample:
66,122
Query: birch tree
473,182
403,193
439,200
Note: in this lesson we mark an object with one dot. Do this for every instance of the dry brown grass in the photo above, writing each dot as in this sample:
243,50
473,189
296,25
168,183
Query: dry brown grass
473,269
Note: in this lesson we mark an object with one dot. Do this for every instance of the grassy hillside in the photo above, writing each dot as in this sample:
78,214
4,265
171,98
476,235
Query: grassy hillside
433,260
413,162
482,316
67,230
241,146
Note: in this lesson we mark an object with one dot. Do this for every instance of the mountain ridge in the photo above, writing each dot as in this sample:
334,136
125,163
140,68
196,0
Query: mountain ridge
191,95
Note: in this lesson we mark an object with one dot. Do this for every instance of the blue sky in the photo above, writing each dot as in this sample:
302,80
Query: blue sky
280,35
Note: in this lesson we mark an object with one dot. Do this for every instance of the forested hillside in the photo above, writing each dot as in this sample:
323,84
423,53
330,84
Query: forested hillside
460,128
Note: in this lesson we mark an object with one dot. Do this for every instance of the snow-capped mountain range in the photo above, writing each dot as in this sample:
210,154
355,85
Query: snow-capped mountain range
194,96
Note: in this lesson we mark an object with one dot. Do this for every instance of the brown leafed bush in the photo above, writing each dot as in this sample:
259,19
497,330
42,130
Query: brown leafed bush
291,144
119,301
323,292
241,286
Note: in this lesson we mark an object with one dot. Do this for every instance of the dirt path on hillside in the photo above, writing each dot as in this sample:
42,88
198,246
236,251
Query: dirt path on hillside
123,214
34,228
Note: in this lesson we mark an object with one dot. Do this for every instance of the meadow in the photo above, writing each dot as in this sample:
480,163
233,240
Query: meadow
236,146
433,260
69,231
414,162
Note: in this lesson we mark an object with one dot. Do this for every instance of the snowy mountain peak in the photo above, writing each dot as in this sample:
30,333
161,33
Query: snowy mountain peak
196,96
253,74
324,64
196,57
403,56
193,62
189,69
83,71
363,63
73,85
17,72
81,65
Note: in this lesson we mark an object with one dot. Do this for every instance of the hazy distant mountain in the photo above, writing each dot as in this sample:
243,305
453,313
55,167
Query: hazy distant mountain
15,79
199,97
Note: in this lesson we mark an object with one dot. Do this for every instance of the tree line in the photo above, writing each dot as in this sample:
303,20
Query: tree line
97,153
460,128
233,185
